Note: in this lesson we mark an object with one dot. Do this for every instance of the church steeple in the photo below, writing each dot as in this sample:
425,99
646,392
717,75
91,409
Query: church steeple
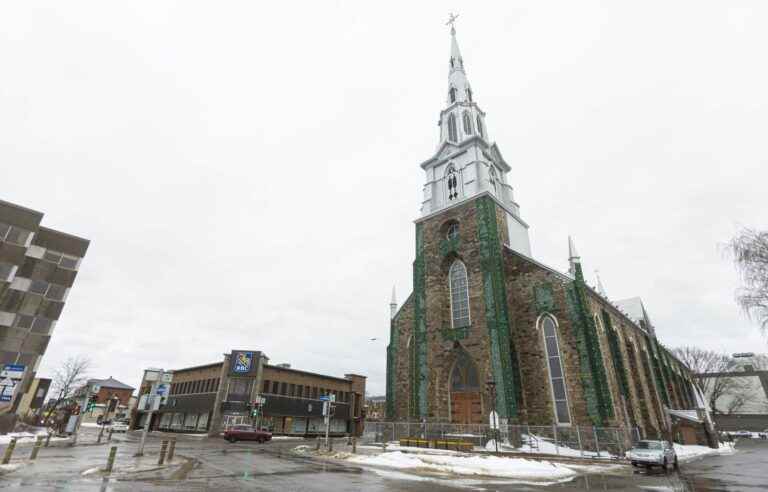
467,163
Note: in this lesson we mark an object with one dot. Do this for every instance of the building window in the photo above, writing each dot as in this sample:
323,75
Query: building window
453,232
480,130
556,375
452,90
266,386
452,135
283,388
14,234
452,183
275,386
38,287
7,272
299,390
292,390
314,392
467,123
458,286
492,179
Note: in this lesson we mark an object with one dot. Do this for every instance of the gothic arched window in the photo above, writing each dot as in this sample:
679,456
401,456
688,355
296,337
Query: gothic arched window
452,93
467,123
492,179
480,127
452,183
464,375
556,375
453,232
452,135
457,282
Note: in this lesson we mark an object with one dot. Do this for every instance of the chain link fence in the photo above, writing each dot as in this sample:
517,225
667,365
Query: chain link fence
573,441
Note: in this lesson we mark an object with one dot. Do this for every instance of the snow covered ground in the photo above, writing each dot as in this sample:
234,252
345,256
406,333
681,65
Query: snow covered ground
692,452
489,466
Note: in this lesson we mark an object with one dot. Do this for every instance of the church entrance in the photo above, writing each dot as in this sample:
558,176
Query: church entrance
465,392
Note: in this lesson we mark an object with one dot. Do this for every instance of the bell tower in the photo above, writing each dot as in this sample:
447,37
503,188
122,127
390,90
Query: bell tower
467,162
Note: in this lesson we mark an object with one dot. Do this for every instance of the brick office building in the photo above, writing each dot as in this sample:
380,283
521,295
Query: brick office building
483,309
38,267
212,397
109,389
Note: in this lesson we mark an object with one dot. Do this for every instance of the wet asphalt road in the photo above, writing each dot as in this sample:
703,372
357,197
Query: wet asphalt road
213,464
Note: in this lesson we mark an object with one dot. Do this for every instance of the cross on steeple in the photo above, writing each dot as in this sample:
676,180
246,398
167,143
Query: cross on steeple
452,21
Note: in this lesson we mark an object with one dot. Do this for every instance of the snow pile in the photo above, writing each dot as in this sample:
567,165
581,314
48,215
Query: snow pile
6,438
9,468
546,447
492,466
691,452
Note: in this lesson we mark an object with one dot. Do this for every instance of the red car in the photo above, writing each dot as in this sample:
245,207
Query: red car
246,433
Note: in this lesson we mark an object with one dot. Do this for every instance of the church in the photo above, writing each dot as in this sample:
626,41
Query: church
488,327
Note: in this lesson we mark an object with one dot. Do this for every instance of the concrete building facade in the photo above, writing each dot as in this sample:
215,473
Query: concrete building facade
38,267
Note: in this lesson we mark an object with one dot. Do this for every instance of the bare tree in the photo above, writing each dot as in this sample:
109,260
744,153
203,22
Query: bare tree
703,362
749,250
70,376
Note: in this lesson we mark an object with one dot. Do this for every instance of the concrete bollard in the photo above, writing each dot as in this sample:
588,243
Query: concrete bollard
36,447
48,439
330,445
109,436
111,459
318,444
101,433
9,451
354,445
171,449
163,450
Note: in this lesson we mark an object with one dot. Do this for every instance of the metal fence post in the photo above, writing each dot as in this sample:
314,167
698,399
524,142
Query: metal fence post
554,434
36,447
597,442
163,450
354,445
9,451
111,459
578,438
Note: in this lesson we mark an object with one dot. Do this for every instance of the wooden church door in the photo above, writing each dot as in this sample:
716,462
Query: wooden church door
465,392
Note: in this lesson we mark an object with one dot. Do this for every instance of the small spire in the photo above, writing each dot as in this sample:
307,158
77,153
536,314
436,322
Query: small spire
600,288
393,304
573,256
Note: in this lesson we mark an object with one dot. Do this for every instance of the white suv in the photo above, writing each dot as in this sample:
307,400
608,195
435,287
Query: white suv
653,453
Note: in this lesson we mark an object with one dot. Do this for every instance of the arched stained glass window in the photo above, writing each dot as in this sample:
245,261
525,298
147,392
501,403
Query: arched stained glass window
556,375
452,135
467,123
480,130
452,183
457,282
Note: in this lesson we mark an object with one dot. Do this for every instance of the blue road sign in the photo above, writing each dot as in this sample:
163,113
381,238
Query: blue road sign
325,398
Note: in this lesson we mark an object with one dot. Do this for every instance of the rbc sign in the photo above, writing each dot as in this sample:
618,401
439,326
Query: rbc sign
243,361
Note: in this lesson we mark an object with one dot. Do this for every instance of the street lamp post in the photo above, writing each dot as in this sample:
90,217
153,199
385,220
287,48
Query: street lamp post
491,384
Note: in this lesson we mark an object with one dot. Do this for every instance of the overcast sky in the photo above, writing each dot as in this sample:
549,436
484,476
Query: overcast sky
248,174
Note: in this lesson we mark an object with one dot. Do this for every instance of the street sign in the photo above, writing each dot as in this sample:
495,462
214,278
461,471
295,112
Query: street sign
7,388
13,371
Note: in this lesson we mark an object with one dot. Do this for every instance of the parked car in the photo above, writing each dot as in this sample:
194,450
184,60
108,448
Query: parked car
246,433
120,426
653,453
